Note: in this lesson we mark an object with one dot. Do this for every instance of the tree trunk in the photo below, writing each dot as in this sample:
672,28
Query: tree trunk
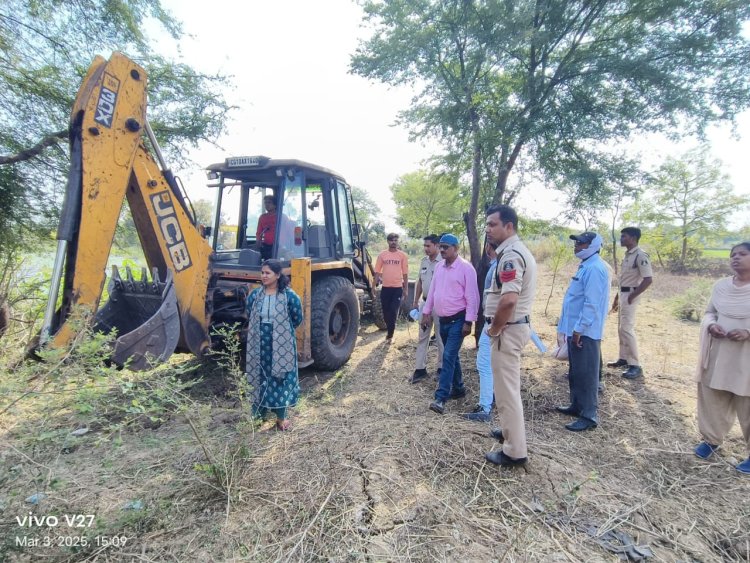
683,253
470,218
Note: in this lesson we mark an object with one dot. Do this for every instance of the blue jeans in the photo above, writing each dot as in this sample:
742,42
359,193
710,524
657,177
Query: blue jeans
584,376
451,377
484,367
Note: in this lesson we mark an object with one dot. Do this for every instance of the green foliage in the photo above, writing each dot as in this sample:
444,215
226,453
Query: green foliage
670,253
688,198
76,387
228,355
531,228
23,296
428,203
691,305
557,83
716,253
46,47
368,212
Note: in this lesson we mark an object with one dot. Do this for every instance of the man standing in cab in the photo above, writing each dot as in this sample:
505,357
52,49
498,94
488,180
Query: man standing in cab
265,233
426,271
636,275
507,309
392,270
455,297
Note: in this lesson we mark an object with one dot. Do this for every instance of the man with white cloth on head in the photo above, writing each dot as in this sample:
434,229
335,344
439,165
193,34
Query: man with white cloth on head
582,321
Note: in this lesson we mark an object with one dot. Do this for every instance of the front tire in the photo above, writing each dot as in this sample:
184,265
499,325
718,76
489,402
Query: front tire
334,322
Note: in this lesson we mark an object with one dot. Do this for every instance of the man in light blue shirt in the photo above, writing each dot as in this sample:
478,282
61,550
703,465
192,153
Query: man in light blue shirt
582,321
481,412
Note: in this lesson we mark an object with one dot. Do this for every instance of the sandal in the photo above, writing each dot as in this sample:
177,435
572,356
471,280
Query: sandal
283,425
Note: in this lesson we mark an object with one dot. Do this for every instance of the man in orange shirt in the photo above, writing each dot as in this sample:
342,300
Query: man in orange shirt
392,269
265,234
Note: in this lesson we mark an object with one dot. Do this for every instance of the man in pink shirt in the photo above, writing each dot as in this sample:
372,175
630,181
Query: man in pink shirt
455,297
392,269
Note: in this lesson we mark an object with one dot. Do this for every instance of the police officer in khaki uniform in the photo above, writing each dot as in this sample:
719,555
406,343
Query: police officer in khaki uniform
426,270
636,276
507,308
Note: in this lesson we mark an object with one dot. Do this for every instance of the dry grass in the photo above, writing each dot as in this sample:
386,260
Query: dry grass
368,473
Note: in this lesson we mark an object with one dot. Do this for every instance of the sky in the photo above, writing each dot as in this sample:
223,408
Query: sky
288,61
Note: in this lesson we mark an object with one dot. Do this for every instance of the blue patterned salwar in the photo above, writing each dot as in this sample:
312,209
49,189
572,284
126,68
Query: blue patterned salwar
272,350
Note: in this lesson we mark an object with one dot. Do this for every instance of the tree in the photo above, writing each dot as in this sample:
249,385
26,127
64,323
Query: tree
367,212
46,47
556,80
427,203
690,197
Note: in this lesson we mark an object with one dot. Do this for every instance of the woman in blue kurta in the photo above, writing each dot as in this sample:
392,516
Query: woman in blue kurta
274,311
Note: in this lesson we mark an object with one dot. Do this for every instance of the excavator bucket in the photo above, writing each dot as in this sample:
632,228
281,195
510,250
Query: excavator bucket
146,318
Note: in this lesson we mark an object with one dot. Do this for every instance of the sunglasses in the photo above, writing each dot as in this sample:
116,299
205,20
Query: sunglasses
444,246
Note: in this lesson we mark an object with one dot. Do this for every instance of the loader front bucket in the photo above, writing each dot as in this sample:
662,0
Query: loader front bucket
146,318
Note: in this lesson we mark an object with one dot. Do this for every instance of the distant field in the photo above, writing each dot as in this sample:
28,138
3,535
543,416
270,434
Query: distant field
716,252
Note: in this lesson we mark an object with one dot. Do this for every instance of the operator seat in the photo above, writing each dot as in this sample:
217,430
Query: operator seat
318,242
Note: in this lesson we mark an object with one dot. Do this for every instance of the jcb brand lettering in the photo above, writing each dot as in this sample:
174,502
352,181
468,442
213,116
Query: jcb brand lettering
105,106
171,231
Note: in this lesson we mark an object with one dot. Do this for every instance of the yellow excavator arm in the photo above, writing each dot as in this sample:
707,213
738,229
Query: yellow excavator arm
111,146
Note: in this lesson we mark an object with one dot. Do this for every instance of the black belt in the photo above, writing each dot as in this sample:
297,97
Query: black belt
627,289
453,318
523,320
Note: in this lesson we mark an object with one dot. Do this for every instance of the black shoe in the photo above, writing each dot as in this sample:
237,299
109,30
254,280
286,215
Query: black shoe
497,434
499,458
458,393
633,372
419,375
617,364
438,406
567,410
580,425
478,415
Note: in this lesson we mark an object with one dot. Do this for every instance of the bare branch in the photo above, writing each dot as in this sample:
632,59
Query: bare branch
49,140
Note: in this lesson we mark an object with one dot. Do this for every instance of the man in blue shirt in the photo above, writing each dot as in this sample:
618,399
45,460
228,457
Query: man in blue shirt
582,321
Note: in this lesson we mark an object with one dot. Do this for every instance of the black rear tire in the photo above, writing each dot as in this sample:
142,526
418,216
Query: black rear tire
334,322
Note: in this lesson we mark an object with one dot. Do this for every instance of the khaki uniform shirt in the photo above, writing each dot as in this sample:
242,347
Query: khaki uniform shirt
636,265
516,272
426,271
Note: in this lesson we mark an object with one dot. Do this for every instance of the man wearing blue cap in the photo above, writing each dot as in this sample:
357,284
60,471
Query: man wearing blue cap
455,297
582,321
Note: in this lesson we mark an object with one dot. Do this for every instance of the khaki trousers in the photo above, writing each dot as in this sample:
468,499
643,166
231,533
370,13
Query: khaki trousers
505,356
424,342
626,330
716,412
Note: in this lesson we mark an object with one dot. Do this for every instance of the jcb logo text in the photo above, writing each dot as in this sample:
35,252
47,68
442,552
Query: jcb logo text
170,230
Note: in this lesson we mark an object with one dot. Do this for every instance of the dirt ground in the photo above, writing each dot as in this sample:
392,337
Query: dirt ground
369,473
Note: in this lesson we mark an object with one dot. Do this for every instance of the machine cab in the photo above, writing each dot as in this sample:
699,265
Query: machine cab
274,208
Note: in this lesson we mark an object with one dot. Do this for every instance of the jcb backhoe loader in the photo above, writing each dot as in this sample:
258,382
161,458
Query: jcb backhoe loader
195,284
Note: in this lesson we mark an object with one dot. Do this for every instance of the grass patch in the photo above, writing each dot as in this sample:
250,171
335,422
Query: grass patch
716,253
691,304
